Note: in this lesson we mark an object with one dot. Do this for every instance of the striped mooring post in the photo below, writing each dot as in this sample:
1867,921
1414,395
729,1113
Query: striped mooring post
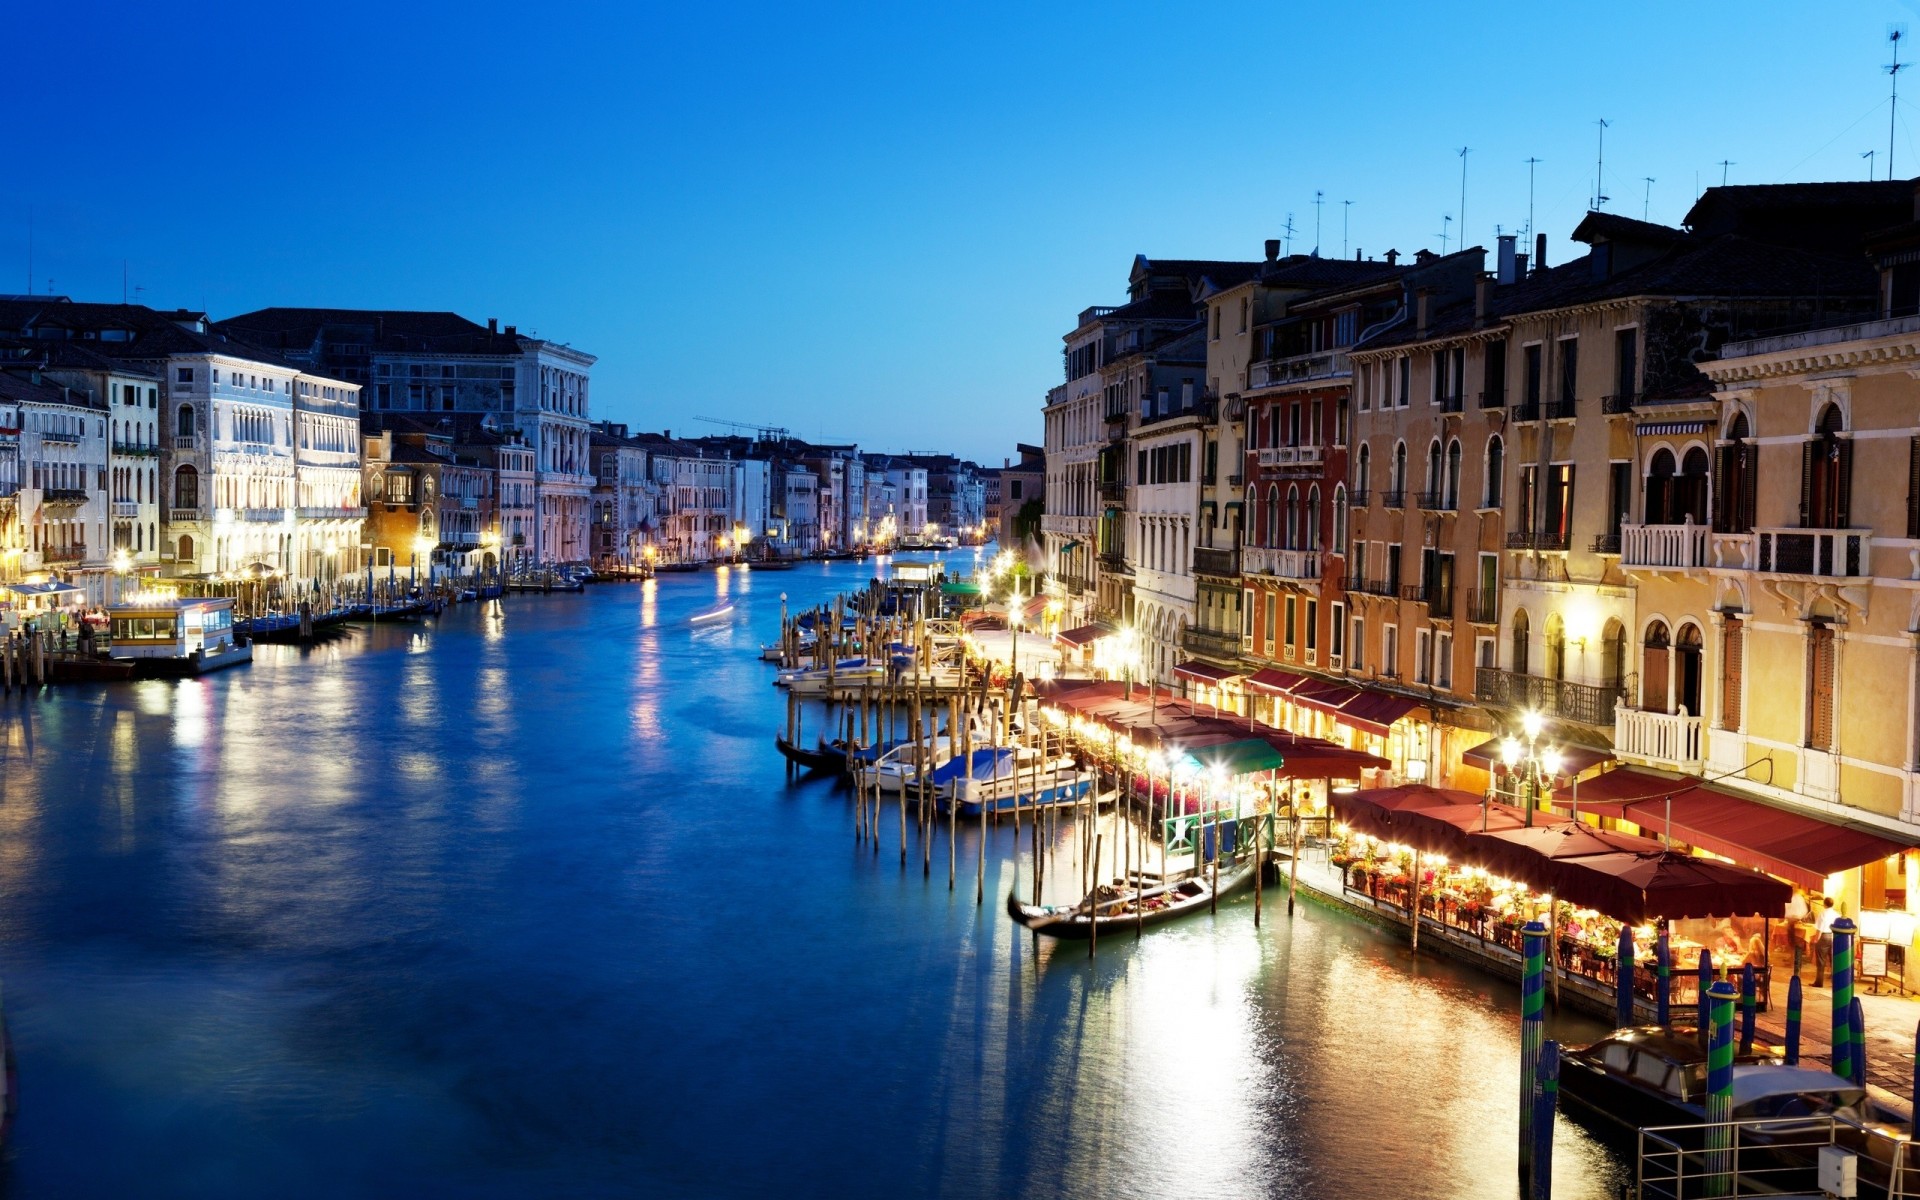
1706,984
1916,1062
1623,980
1793,1027
1843,998
1662,980
1749,1003
1546,1097
1719,1140
1533,1021
1857,1043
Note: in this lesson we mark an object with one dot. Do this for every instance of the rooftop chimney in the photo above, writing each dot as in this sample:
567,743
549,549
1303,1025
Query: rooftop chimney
1393,257
1540,252
493,324
1519,266
1916,200
1504,259
1356,254
1482,291
512,331
1273,249
1424,256
1421,305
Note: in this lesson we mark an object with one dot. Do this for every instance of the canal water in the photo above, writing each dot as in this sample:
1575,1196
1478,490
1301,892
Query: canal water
521,904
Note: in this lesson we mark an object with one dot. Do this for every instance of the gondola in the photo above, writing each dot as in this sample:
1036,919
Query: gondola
1115,914
824,758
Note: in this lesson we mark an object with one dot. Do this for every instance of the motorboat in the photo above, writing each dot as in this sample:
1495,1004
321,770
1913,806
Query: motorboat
718,612
1120,906
816,681
896,769
1001,779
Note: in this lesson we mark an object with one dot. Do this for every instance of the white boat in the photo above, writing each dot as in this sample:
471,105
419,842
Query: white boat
998,779
896,771
814,681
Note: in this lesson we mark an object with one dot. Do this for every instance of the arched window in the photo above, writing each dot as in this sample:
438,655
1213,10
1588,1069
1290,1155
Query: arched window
1363,478
1254,519
1686,669
1826,474
1522,634
186,488
1273,515
1313,517
1496,470
1556,646
1340,520
1690,490
1293,518
1655,651
1452,488
1660,499
1613,654
1734,478
1399,481
185,553
1433,466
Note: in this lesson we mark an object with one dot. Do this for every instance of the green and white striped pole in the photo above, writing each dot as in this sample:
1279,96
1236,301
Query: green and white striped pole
1843,998
1719,1140
1857,1044
1748,1005
1533,1023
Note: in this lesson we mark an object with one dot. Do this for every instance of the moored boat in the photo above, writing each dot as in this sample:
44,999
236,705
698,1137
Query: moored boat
1118,907
822,758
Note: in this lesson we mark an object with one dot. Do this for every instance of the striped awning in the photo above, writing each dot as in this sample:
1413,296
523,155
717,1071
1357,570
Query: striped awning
1660,428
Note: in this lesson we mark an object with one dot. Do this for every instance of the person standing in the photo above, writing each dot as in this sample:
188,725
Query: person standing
1823,944
1797,916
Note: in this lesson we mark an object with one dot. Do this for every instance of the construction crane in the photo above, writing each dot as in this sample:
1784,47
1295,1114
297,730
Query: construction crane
768,433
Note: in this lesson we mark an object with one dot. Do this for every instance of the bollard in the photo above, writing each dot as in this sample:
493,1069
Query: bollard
1843,998
1545,1098
1623,980
1857,1042
1662,980
1719,1139
1748,1004
1706,984
1793,1024
1533,937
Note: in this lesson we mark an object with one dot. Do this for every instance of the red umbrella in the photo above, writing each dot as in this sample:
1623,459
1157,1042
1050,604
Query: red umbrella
1636,888
1373,811
1528,855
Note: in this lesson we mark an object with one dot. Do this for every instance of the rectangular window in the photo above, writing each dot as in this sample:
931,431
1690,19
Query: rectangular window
1393,568
1821,651
1483,653
1443,660
1733,652
1559,522
1534,375
1569,369
1337,632
1406,380
1493,377
1273,621
1390,652
1246,615
1358,642
183,375
1619,498
1313,627
1423,656
1139,467
1626,361
1292,630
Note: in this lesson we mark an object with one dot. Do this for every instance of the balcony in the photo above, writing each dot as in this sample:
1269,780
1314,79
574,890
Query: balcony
1617,404
1664,547
1670,740
1235,481
1211,643
63,554
1299,368
186,441
1483,608
1494,399
1116,414
128,449
1562,410
325,513
1373,587
1359,498
1438,599
1604,543
183,514
1115,560
1113,489
1453,403
1555,699
1435,501
1292,456
1283,564
126,508
1397,498
62,498
1819,553
1210,560
1530,540
59,439
1527,410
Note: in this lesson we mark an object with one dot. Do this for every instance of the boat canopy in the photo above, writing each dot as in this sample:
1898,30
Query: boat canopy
988,763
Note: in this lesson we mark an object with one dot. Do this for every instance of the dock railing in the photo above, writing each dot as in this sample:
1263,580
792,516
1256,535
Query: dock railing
1770,1157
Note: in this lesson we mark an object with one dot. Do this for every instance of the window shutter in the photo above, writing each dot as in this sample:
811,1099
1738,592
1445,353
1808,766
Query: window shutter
1820,688
1807,453
1913,488
1843,484
1733,644
1653,679
1722,511
1749,487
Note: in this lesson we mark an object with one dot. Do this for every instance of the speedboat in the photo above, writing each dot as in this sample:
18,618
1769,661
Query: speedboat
1001,779
718,612
895,770
815,681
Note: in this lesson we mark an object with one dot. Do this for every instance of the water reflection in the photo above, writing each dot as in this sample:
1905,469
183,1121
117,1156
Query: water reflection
519,902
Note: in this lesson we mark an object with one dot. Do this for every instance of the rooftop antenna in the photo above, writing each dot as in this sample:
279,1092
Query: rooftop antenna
1868,155
29,249
1724,164
1531,164
1894,34
1464,151
1288,229
1346,210
1318,199
1646,201
123,281
1446,223
1599,166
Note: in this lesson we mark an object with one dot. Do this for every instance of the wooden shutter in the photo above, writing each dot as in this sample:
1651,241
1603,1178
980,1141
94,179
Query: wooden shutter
1733,645
1749,486
1843,484
1808,452
1722,508
1820,649
1913,488
1653,678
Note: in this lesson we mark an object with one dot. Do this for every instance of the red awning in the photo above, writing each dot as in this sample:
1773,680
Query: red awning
1646,887
1201,672
1792,845
1608,793
1035,606
1081,635
1375,712
1274,682
1575,759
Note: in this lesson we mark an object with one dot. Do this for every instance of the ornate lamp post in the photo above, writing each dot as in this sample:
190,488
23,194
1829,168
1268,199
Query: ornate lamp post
1534,766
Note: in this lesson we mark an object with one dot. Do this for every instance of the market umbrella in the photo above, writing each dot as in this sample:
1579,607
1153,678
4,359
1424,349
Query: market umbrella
1528,854
1637,888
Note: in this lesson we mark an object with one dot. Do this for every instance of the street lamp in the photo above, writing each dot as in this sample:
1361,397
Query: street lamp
1126,654
1534,765
422,548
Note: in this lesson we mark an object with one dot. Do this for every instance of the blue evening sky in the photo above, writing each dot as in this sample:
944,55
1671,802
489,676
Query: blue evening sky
872,223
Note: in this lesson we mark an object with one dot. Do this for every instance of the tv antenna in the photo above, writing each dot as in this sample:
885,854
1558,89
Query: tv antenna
1724,164
1868,155
1646,201
1346,210
1319,197
1464,151
1894,34
1446,223
1288,230
1599,166
1531,164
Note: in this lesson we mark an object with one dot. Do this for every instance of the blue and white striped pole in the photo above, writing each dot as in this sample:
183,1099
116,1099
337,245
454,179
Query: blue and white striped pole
1623,980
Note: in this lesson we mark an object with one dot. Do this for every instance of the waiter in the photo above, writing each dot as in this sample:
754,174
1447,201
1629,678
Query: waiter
1823,946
